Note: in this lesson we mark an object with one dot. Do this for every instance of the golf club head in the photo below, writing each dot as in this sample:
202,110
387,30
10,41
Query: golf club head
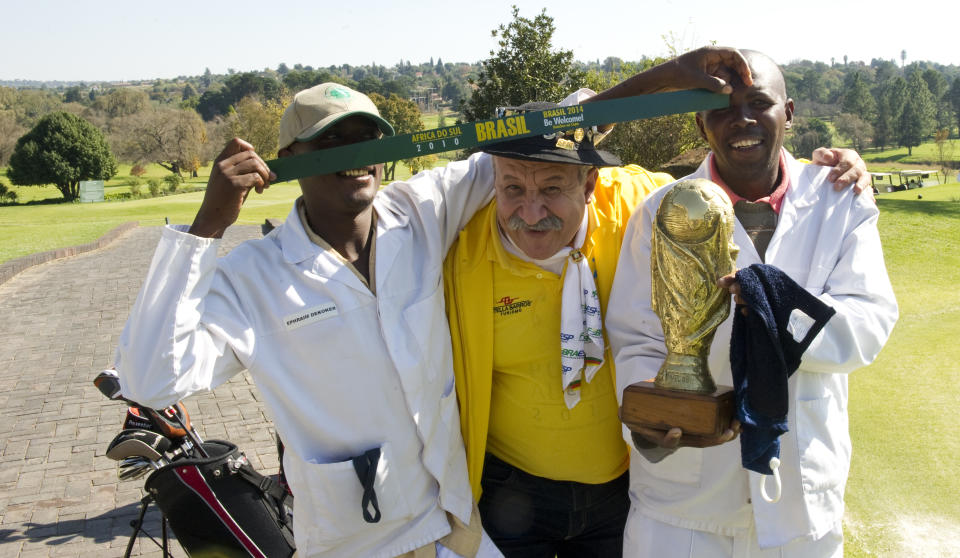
108,382
138,443
134,468
137,419
173,421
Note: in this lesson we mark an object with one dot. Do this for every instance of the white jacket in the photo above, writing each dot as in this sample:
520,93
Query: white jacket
341,371
826,241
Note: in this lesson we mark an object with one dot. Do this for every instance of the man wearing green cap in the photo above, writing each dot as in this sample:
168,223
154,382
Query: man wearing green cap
338,316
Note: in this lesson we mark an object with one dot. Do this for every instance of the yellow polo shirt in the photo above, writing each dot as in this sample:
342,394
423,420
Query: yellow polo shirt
530,425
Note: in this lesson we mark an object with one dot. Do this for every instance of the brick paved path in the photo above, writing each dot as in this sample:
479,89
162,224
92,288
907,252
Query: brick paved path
59,325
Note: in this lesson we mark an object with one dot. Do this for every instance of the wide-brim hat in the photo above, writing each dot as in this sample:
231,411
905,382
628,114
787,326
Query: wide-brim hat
314,110
575,146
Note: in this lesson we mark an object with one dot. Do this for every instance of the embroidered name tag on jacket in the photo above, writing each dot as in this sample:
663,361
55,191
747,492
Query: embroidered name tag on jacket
799,325
310,315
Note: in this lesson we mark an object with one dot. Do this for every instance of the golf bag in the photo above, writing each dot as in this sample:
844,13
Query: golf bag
220,506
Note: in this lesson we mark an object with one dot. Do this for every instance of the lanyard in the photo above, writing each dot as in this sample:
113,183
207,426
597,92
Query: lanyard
486,132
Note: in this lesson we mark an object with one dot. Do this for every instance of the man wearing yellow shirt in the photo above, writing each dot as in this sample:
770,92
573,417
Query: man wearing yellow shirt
526,285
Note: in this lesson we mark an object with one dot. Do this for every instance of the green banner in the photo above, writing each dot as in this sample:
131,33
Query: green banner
485,132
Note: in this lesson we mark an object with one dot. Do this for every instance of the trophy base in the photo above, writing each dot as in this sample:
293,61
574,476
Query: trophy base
701,416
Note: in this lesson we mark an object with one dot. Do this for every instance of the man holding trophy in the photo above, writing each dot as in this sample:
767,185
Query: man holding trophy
822,306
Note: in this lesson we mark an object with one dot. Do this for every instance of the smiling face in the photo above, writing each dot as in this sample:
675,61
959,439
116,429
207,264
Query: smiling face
541,205
348,191
746,137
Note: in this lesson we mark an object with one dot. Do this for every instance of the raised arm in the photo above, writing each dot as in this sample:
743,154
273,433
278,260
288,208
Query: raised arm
708,67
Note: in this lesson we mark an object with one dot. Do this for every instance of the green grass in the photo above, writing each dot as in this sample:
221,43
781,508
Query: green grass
36,228
903,482
924,156
119,183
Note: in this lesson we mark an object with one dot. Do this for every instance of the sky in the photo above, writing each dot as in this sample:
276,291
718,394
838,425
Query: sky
128,40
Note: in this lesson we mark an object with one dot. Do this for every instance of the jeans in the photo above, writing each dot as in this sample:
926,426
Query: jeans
534,517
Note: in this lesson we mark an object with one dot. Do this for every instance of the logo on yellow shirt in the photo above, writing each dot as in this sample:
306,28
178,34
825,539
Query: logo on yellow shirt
508,305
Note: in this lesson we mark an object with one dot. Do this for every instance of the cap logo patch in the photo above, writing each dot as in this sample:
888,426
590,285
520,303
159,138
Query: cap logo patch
338,93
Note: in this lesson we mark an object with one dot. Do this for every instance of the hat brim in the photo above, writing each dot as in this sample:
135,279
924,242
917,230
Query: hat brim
322,126
540,149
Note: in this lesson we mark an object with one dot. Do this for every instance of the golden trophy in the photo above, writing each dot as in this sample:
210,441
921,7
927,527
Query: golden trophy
691,247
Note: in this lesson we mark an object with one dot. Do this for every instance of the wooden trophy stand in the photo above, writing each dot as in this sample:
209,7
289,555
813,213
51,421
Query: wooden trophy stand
702,416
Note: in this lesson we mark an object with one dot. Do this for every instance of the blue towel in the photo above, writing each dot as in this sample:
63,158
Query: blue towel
764,354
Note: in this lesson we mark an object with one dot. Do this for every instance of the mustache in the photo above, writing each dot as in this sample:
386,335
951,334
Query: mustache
548,223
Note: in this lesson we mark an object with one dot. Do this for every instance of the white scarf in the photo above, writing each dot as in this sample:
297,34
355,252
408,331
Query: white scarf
581,326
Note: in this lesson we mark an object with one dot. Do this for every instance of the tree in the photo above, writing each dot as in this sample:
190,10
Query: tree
857,99
298,80
919,114
944,151
938,86
811,86
651,142
525,68
405,117
891,96
29,105
370,84
402,86
123,102
854,129
612,64
236,87
62,149
453,90
172,138
256,122
954,96
73,94
10,131
809,134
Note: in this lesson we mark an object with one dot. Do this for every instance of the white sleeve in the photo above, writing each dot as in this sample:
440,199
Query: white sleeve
456,192
185,330
636,336
859,289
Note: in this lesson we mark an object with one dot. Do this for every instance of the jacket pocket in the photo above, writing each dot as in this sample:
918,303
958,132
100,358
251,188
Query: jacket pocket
824,443
682,467
334,494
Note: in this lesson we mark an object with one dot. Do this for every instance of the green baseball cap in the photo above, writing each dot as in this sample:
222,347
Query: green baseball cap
314,110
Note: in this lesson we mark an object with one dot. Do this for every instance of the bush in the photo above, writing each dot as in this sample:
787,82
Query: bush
7,196
172,181
136,188
154,186
138,170
120,196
